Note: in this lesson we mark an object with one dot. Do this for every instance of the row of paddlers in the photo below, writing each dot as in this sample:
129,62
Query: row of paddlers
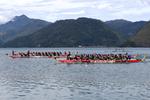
68,57
33,54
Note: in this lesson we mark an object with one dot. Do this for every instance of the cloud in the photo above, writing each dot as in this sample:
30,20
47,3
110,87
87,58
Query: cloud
52,10
74,13
3,19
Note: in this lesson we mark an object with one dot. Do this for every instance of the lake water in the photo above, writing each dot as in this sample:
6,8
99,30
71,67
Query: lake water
46,79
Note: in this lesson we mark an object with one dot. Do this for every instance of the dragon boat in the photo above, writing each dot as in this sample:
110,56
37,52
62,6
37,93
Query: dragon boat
74,61
101,61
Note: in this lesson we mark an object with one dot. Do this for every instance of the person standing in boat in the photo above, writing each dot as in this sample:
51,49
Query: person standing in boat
28,53
13,52
68,55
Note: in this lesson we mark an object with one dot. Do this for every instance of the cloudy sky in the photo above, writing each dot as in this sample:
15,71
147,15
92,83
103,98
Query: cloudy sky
52,10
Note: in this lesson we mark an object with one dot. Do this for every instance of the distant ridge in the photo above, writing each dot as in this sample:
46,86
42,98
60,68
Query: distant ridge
70,33
142,38
125,27
20,26
22,31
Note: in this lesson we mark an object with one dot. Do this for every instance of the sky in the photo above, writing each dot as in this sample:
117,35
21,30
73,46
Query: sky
52,10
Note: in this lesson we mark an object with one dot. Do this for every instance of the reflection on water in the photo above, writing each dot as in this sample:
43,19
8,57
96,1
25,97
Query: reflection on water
45,79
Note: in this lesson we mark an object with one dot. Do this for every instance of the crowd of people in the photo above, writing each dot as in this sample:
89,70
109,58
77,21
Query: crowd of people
99,57
42,54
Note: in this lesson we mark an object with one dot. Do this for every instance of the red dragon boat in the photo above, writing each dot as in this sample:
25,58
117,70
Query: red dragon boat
101,61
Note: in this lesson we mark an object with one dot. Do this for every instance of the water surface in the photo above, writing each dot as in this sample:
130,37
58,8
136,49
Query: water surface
46,79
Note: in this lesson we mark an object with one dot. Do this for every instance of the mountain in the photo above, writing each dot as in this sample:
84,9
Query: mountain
70,33
20,26
142,38
125,27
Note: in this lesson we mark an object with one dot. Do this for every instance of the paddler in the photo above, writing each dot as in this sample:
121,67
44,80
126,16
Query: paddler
68,56
13,52
28,53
